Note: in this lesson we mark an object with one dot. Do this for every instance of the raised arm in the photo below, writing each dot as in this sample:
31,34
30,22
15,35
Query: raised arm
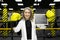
17,28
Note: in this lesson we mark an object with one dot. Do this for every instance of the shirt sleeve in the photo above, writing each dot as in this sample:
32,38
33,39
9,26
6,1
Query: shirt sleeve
17,28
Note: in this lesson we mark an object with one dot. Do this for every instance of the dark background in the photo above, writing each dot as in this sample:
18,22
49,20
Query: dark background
42,8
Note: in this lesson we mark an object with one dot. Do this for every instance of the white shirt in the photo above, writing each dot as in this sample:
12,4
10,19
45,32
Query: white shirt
21,26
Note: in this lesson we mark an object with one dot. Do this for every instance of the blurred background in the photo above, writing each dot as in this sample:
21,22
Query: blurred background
10,15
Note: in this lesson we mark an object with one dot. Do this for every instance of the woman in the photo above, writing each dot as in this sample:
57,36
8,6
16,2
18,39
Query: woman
27,25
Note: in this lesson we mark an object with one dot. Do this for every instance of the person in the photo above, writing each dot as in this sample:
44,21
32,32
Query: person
27,25
15,18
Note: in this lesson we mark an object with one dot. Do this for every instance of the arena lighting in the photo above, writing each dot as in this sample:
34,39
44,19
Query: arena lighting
34,9
20,4
18,0
10,8
23,9
1,0
51,4
36,4
0,9
56,0
38,0
4,4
